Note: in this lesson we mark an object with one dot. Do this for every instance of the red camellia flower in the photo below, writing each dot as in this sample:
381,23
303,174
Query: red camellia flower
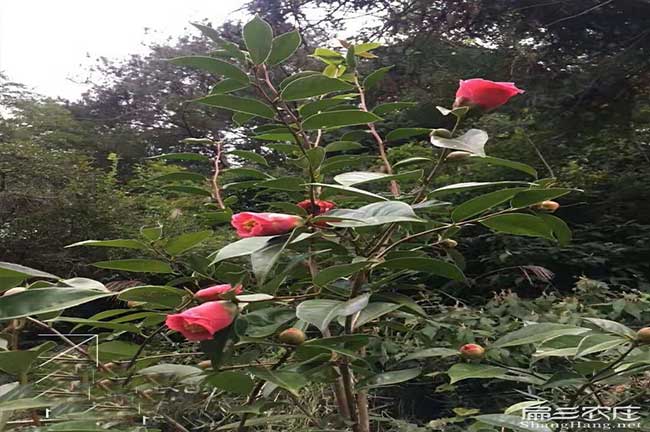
203,321
215,292
484,94
264,224
320,206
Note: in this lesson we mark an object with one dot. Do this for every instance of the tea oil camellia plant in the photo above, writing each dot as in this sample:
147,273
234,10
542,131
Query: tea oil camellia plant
324,290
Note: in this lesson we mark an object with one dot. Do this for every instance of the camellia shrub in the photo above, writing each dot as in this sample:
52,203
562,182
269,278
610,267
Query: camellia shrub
328,290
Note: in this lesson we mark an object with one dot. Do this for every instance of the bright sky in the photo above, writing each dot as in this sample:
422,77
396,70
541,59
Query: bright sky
45,44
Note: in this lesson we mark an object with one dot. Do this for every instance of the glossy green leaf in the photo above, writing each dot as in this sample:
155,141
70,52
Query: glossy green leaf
613,327
283,47
317,106
17,362
390,107
192,157
361,177
519,224
461,187
177,245
136,265
9,270
534,196
37,301
512,422
404,133
337,119
505,163
472,141
599,342
285,184
333,273
230,381
117,243
426,265
390,378
313,85
180,176
188,190
250,156
266,322
430,352
113,350
482,203
290,381
342,146
212,65
296,76
228,86
348,190
560,229
165,296
537,333
239,104
463,371
258,37
173,370
375,214
373,78
243,247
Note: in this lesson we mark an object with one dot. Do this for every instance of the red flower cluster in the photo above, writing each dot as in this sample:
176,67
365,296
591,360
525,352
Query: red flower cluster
484,94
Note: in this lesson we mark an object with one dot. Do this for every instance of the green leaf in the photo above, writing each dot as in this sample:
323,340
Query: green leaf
250,156
426,265
472,141
152,233
177,245
511,422
284,183
463,371
37,301
337,119
505,163
165,296
114,350
430,352
243,247
328,56
263,421
250,173
404,133
481,203
348,190
375,214
9,270
412,160
359,177
265,322
317,106
519,224
17,362
534,196
290,381
188,190
193,157
373,311
296,76
263,260
228,85
169,369
283,47
390,378
210,33
239,104
461,187
24,404
613,327
319,313
333,273
180,176
212,65
560,229
373,79
341,146
117,243
258,37
537,333
136,265
231,381
313,85
599,342
387,108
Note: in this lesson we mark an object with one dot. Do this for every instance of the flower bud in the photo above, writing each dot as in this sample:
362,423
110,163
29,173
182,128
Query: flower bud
442,133
472,351
292,336
205,364
13,291
448,243
643,335
457,156
547,206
